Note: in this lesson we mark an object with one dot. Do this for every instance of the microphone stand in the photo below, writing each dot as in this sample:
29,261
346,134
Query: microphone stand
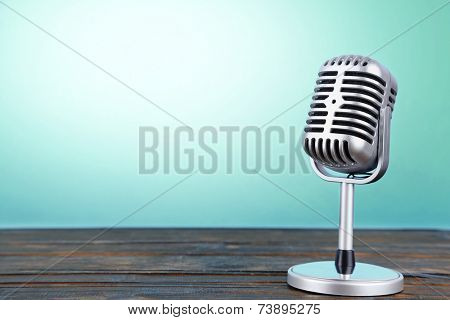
345,256
344,276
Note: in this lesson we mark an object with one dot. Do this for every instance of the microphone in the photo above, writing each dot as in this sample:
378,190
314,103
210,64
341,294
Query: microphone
343,131
347,137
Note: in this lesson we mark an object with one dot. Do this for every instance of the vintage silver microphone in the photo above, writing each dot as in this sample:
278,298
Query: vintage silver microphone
347,137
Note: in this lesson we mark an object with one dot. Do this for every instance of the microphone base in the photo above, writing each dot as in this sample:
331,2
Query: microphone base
365,281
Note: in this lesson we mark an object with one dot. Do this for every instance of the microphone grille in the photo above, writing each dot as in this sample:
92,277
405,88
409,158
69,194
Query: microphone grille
342,129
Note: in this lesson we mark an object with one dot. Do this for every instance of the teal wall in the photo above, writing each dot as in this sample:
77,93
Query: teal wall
69,133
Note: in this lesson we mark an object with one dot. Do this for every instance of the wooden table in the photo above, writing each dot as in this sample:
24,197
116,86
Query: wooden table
203,263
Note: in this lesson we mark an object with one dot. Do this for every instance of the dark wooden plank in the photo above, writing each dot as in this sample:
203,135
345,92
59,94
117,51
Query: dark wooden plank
223,288
203,263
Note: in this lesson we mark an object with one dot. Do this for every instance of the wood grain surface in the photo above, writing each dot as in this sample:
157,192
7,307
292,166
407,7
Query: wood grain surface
204,263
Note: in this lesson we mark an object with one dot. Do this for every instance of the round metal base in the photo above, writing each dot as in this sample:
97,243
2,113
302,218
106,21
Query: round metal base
366,279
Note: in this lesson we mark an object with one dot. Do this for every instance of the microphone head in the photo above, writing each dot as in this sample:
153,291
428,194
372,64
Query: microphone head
343,128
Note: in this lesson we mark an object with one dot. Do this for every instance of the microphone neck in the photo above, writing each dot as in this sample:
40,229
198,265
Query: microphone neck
345,257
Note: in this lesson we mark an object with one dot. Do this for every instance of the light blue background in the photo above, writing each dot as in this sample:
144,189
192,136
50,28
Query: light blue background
69,133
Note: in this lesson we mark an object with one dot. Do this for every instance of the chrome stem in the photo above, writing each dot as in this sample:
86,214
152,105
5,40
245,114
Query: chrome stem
346,216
